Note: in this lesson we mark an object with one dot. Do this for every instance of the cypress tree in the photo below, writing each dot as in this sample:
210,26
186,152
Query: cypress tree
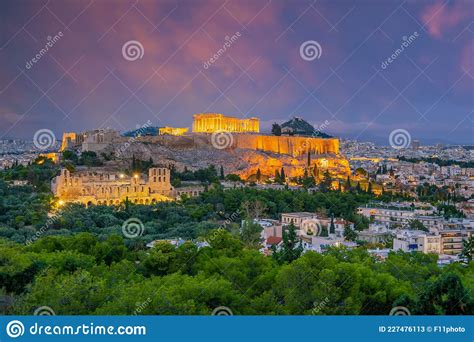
222,172
277,176
348,184
332,227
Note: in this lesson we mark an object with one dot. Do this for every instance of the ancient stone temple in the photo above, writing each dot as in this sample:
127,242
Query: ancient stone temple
212,122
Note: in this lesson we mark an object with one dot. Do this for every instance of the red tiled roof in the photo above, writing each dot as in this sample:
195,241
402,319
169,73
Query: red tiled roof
274,240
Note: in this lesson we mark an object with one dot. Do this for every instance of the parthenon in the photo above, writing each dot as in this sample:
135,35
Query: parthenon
212,122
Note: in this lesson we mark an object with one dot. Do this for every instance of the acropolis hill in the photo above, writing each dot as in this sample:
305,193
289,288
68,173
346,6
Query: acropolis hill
244,153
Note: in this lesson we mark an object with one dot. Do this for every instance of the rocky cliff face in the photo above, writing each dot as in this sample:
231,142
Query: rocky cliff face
197,151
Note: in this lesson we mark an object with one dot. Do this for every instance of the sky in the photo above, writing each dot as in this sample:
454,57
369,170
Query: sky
124,64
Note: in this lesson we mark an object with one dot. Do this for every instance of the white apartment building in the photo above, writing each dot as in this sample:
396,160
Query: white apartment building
400,216
417,240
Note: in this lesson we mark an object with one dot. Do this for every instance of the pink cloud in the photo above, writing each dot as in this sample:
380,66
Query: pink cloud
441,17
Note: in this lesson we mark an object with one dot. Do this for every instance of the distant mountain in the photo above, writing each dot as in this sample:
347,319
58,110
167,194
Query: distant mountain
299,126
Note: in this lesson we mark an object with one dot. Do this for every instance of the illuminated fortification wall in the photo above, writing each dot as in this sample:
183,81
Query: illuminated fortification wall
294,146
290,145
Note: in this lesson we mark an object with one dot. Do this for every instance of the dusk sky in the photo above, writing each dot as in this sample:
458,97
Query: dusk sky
84,82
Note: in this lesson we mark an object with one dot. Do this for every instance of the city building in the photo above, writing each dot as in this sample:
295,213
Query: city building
297,218
377,233
417,240
399,215
452,241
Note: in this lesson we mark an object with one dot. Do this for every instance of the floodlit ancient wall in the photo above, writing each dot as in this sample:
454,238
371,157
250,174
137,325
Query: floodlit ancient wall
173,130
294,146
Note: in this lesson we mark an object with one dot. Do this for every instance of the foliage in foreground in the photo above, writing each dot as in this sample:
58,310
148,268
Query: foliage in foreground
82,275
